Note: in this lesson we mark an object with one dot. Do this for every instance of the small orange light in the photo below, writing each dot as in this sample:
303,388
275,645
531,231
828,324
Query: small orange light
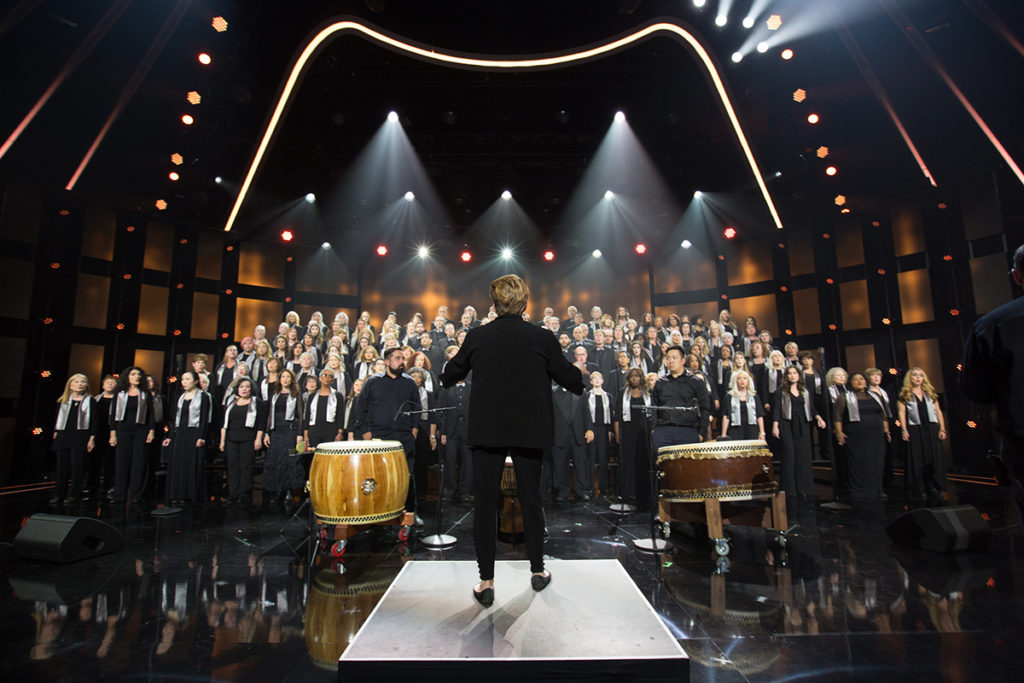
37,431
826,235
177,333
829,281
223,335
183,240
64,212
954,312
729,232
466,256
47,321
173,175
773,22
177,159
813,119
845,209
840,199
287,299
187,119
204,58
725,296
55,265
160,204
44,373
721,257
831,170
230,247
180,285
959,367
120,326
972,424
881,271
799,95
893,371
787,54
129,228
832,326
289,259
942,206
127,276
193,97
947,258
382,250
887,321
875,223
228,292
991,583
220,24
549,255
822,152
789,332
172,380
783,288
640,248
287,235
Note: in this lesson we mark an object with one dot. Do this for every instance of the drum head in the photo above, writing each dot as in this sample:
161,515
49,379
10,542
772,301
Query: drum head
358,447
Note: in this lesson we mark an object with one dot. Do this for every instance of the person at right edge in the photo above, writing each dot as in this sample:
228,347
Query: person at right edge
510,413
993,373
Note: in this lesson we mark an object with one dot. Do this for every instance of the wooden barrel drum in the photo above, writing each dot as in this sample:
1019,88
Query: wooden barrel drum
724,470
358,482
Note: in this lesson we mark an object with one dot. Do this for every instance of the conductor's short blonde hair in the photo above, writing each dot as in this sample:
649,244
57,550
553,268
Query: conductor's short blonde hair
509,294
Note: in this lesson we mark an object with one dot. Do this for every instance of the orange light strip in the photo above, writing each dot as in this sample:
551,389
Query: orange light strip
925,50
500,64
79,55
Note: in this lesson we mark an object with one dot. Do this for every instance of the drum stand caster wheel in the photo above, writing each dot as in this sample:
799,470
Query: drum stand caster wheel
403,534
338,566
338,549
666,530
721,565
722,546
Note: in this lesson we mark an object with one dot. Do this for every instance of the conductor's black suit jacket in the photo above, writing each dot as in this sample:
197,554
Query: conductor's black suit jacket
513,364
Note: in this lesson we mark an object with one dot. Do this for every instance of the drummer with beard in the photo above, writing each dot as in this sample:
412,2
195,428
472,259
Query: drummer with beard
688,395
382,411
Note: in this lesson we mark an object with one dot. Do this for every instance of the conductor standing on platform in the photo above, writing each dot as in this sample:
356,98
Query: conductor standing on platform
687,395
510,414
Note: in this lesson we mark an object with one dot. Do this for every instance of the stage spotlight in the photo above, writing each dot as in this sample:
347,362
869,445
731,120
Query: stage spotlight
173,175
187,119
325,245
721,20
699,3
506,195
609,195
737,57
787,54
619,117
640,248
392,117
506,253
423,251
729,232
549,255
762,47
287,235
466,256
698,194
204,58
831,170
218,180
686,244
310,198
409,196
748,22
596,253
778,174
382,250
813,119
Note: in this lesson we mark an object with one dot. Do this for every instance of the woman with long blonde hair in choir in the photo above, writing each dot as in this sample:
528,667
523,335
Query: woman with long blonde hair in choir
74,435
924,430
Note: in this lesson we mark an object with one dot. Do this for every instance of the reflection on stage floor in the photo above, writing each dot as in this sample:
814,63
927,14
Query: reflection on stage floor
217,593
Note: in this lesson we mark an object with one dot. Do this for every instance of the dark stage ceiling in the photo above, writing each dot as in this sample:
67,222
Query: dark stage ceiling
480,132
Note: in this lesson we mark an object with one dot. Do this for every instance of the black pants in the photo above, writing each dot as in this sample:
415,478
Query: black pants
556,475
239,456
70,462
597,450
458,464
488,465
130,466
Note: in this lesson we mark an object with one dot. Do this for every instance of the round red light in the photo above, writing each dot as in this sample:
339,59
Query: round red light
729,232
287,235
549,255
466,257
641,248
382,250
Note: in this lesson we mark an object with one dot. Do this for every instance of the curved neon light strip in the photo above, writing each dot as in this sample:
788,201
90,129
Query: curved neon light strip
510,64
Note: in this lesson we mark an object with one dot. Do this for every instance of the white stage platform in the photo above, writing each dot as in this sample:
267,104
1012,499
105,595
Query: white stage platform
591,623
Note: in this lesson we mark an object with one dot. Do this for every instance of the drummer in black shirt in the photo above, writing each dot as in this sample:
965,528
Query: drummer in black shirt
679,390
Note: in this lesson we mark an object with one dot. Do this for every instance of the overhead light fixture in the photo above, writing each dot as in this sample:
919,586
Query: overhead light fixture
382,250
831,170
173,175
204,58
813,119
748,22
160,204
721,20
549,255
310,198
763,46
423,251
609,195
466,256
218,180
219,24
325,245
619,117
686,244
409,196
287,235
392,117
187,119
787,54
596,253
177,159
822,152
698,194
840,200
737,57
699,3
193,97
729,232
640,248
506,253
506,195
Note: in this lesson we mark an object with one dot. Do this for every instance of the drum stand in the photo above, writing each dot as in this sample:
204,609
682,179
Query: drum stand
439,540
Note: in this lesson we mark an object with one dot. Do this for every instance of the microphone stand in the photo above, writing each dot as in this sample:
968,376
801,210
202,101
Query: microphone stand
653,544
438,540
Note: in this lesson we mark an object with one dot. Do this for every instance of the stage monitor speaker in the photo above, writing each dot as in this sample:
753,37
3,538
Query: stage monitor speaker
943,529
60,538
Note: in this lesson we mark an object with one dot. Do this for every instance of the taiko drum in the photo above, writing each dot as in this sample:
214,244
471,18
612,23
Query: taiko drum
726,470
358,482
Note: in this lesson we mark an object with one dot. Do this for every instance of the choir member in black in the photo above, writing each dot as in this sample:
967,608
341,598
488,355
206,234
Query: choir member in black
240,437
597,408
384,397
295,323
258,366
640,358
721,376
631,434
363,367
580,360
268,385
247,351
792,352
421,360
688,396
923,428
434,352
224,373
615,379
569,445
458,463
190,424
565,343
282,471
74,435
426,435
241,372
131,427
200,361
835,386
792,416
101,465
156,456
602,354
742,413
324,410
342,380
725,320
861,425
350,402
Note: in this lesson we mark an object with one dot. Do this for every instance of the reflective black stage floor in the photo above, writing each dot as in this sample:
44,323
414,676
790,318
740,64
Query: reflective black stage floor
216,593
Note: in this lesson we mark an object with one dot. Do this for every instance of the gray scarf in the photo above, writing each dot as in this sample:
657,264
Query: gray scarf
332,407
250,414
734,409
606,404
194,410
121,402
84,413
787,405
914,417
289,410
853,408
626,411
